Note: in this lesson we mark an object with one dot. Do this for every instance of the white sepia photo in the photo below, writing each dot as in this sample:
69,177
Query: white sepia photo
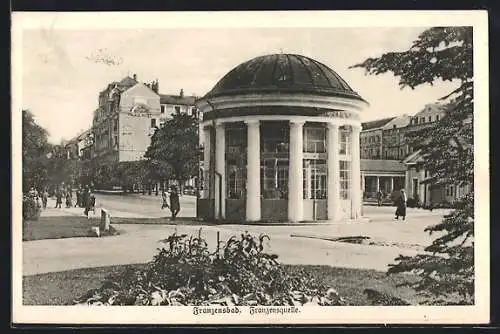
308,167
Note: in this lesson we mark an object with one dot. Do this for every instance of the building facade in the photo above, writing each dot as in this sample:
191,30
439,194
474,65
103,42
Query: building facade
281,142
387,138
129,112
393,138
79,146
387,176
426,193
371,138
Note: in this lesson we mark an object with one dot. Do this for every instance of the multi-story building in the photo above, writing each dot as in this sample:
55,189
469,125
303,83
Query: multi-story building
427,117
387,138
371,138
128,114
79,146
393,139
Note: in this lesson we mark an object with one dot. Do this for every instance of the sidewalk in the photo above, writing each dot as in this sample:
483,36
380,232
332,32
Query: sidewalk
52,211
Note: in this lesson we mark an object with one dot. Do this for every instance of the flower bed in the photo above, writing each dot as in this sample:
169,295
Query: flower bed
187,273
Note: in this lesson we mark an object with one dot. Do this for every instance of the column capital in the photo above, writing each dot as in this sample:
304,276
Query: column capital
356,127
297,123
333,126
220,125
252,121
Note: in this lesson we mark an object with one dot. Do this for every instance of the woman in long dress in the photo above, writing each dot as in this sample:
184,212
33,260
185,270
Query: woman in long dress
401,205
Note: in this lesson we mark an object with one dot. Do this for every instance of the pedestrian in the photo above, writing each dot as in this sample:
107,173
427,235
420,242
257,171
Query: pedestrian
379,198
174,202
45,197
90,204
78,197
85,198
59,196
68,200
164,200
32,193
401,205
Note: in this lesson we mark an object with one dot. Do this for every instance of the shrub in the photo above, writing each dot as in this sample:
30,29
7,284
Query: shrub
31,208
186,273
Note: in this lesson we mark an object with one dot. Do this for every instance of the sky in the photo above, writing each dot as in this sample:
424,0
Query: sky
62,74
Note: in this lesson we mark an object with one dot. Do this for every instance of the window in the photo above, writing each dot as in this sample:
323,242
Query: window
194,112
274,140
274,176
437,118
345,179
422,120
236,138
394,126
314,141
177,109
430,119
162,109
153,122
315,180
345,141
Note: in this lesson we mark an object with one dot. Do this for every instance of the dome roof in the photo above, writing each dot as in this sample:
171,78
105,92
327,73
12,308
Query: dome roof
283,73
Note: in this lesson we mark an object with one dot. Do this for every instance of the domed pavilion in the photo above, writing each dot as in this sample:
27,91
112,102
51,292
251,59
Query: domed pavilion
281,143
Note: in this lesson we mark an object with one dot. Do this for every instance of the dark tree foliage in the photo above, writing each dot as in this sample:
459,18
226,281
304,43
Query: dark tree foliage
446,54
174,149
35,147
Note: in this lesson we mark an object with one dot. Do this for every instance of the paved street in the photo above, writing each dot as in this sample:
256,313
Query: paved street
295,244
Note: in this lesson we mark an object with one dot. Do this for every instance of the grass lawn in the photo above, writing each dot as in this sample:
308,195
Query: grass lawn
59,227
62,287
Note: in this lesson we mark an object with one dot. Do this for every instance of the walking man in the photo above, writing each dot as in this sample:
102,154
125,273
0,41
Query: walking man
379,198
45,197
68,199
59,196
401,205
174,202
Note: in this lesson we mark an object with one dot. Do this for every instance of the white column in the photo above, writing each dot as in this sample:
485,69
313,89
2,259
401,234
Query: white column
355,174
253,211
407,182
392,183
421,185
206,162
220,167
378,184
308,181
295,176
333,172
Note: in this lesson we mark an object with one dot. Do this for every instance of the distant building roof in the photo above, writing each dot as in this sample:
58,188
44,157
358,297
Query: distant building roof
432,107
414,158
177,99
373,165
127,82
376,124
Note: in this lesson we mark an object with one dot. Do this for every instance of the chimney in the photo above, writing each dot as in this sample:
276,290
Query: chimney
181,94
135,77
157,87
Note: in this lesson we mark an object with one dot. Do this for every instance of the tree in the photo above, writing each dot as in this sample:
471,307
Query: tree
442,53
174,149
35,148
